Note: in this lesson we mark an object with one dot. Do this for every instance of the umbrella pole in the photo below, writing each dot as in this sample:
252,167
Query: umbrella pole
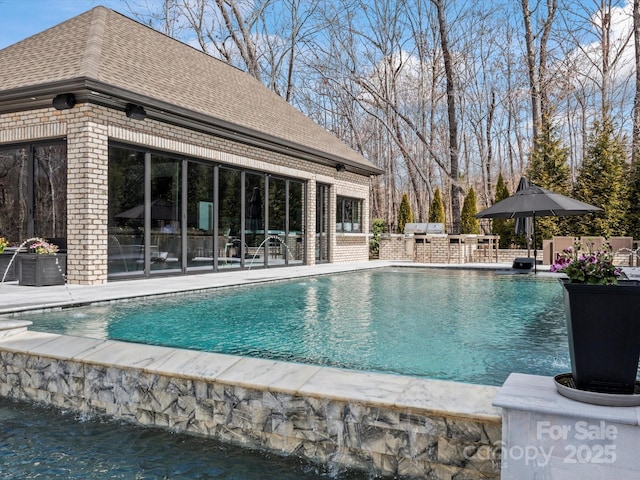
535,247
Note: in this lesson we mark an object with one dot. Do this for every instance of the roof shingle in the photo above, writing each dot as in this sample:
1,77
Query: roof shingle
105,46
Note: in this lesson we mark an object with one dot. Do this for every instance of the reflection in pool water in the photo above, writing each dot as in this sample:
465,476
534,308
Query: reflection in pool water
464,325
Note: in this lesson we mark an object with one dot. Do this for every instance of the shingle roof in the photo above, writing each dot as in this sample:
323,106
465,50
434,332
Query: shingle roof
107,52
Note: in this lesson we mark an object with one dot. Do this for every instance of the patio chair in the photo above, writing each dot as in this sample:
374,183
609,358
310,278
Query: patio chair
592,243
622,248
561,243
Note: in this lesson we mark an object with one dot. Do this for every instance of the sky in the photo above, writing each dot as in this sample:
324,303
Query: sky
20,19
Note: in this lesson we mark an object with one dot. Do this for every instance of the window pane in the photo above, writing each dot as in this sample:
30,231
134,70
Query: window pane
357,223
166,238
14,175
275,246
348,211
254,219
242,201
229,218
126,212
200,209
50,193
295,239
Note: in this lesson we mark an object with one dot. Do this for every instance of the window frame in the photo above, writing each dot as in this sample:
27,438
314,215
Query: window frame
348,214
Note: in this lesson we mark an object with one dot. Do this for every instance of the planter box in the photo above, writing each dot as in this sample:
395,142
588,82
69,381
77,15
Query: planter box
42,270
5,259
603,327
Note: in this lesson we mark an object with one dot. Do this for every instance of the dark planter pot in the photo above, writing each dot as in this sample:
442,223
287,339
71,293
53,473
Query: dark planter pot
603,325
5,260
42,270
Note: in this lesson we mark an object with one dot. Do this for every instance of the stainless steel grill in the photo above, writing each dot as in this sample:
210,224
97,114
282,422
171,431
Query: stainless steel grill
415,228
435,228
424,228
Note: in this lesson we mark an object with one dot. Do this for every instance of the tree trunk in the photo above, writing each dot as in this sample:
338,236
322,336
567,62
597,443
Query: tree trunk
454,172
635,148
531,68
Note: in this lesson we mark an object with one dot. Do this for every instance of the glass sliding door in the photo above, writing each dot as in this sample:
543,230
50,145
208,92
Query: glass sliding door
165,209
275,247
296,218
229,243
144,213
174,215
254,220
126,254
200,216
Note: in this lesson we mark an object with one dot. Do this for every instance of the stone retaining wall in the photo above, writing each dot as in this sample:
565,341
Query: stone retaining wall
419,432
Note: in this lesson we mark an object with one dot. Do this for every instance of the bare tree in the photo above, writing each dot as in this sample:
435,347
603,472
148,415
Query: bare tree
635,150
536,43
433,91
595,66
262,37
287,32
164,16
447,56
599,39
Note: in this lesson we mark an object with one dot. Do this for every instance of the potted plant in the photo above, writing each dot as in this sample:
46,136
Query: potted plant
43,266
602,320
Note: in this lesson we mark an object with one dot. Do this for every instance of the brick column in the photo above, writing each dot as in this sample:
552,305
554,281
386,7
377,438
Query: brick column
310,227
332,223
87,202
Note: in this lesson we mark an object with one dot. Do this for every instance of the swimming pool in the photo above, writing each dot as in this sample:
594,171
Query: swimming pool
463,325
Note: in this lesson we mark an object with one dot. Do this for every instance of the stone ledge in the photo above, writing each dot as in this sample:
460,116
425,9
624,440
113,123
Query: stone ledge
384,422
9,328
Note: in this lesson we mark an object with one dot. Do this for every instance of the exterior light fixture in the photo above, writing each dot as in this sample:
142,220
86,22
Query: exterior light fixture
64,101
340,167
135,111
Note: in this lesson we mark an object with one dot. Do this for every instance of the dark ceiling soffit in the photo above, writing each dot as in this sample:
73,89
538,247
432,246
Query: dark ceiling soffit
86,90
36,96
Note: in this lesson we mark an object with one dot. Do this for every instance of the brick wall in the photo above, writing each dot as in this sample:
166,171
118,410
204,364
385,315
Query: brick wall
445,249
396,247
351,247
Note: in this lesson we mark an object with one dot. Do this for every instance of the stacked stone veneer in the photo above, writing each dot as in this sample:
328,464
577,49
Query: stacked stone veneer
89,129
302,410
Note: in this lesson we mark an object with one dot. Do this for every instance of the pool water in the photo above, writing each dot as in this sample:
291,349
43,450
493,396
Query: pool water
464,325
43,442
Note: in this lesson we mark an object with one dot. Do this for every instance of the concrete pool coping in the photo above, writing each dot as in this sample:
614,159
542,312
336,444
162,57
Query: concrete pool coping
17,298
449,399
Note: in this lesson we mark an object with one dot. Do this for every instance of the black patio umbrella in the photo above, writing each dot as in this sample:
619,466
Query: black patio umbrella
535,201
